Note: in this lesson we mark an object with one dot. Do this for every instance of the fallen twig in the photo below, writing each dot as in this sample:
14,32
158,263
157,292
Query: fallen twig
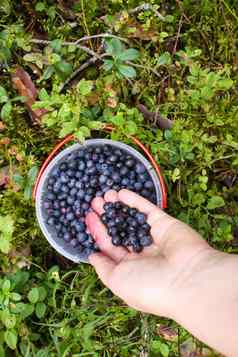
162,123
145,7
178,34
67,43
100,35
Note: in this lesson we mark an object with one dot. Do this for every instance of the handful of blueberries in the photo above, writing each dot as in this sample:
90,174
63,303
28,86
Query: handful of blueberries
127,226
83,175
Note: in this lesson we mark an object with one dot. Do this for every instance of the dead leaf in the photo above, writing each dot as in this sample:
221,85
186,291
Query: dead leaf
168,333
93,98
2,126
136,30
5,141
111,102
18,257
26,88
4,176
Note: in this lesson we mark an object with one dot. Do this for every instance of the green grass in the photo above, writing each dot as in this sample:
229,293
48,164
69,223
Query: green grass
188,71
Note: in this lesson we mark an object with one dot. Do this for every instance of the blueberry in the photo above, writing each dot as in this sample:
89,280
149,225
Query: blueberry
116,240
93,182
56,204
111,213
116,177
132,211
58,227
119,165
51,221
111,223
145,241
130,163
149,185
85,178
137,248
80,194
102,179
145,193
112,158
138,186
55,172
109,182
50,196
142,177
104,218
51,181
74,242
125,181
140,217
47,205
56,213
63,166
98,150
116,187
140,168
132,175
70,173
80,227
64,188
69,216
72,165
146,227
85,206
119,220
66,237
124,171
107,206
79,174
112,231
99,194
88,198
81,236
72,183
91,171
118,152
118,205
81,154
64,178
70,200
87,244
73,191
79,185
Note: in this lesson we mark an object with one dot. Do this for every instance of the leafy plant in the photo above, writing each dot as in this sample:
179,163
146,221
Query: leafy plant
27,183
6,110
6,231
119,58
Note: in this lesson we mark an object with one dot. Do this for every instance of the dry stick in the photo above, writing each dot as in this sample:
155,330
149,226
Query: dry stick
163,123
66,43
101,35
145,7
178,34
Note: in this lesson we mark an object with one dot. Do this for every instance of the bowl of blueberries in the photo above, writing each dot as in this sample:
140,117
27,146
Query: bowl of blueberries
78,174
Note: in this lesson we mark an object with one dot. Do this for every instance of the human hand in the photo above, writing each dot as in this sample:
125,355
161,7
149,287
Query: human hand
147,281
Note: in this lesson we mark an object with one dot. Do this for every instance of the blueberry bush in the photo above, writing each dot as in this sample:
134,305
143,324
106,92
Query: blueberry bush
72,67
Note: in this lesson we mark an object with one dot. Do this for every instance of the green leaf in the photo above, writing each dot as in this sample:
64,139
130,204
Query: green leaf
215,202
42,293
40,6
31,176
225,84
164,59
86,131
129,55
131,127
5,6
27,310
43,95
47,73
8,319
33,295
6,225
10,338
15,297
79,135
63,68
108,64
127,71
56,45
6,286
6,111
2,352
3,95
114,47
67,128
85,87
5,244
40,309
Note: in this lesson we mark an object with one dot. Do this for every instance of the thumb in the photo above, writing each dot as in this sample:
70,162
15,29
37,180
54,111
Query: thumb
104,267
